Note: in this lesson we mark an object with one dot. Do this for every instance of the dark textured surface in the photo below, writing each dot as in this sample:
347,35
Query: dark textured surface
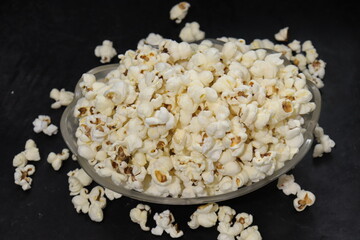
45,45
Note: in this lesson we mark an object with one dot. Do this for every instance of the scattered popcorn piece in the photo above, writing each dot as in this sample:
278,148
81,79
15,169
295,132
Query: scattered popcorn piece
74,157
282,35
304,199
19,160
287,184
105,51
111,195
43,124
56,159
21,176
179,11
226,214
325,144
205,216
139,215
250,233
245,219
81,201
31,153
78,179
62,97
191,32
228,231
97,203
164,222
51,130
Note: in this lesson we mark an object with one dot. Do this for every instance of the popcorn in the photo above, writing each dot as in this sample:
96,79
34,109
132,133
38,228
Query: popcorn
287,184
81,201
295,46
179,11
56,159
43,124
204,216
78,179
161,117
152,39
31,153
19,160
317,68
22,176
139,215
325,144
111,195
250,233
282,35
164,222
105,51
62,97
187,120
97,203
226,214
228,231
304,199
191,32
245,219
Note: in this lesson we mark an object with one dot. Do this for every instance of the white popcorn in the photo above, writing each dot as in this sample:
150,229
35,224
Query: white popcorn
204,216
51,130
56,159
19,160
303,199
287,184
22,176
228,231
245,219
97,203
81,201
191,32
31,153
295,46
62,97
190,120
105,51
325,144
43,124
139,215
164,222
250,233
152,39
78,179
111,195
161,117
317,68
282,35
179,11
226,214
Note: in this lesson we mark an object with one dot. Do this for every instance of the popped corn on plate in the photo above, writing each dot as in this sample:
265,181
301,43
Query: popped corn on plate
159,178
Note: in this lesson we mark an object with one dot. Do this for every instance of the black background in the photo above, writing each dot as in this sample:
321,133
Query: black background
47,44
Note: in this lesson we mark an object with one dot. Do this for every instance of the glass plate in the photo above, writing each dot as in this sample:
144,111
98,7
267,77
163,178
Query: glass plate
69,124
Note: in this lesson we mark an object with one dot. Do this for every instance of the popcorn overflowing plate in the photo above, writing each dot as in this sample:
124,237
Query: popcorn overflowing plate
185,124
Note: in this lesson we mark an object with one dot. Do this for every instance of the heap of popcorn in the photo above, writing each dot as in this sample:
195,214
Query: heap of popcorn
188,120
